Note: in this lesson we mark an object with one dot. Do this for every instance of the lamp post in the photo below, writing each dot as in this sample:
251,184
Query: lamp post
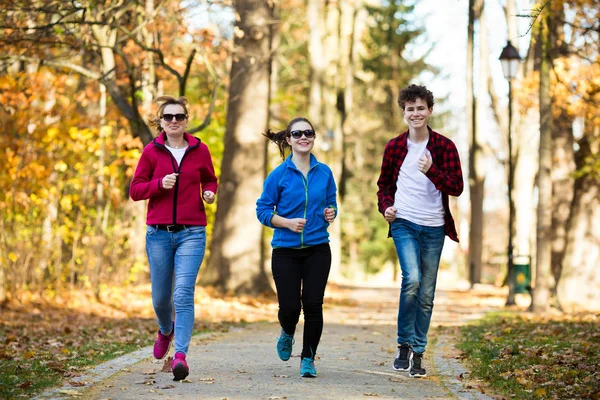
510,62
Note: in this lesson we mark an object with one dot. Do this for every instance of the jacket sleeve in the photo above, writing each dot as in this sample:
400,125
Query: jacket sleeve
143,186
332,194
385,184
448,178
266,205
208,177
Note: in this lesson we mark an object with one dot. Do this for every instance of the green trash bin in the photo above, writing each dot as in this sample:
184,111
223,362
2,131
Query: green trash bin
522,274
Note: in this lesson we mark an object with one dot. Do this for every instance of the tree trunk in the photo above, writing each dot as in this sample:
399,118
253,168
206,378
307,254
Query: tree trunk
541,293
476,157
235,261
563,166
316,55
336,59
579,285
526,137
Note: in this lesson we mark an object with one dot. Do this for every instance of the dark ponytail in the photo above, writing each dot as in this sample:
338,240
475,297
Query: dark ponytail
279,139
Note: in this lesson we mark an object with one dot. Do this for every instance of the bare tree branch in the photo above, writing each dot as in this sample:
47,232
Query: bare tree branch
186,74
210,111
536,12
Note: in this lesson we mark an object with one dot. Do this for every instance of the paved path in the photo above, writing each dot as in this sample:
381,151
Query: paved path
354,359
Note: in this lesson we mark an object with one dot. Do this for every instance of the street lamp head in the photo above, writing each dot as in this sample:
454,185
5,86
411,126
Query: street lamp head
510,60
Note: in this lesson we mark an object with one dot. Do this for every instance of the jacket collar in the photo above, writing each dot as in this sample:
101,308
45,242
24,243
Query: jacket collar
290,164
193,141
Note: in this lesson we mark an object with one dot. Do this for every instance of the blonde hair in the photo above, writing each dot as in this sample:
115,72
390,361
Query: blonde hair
164,101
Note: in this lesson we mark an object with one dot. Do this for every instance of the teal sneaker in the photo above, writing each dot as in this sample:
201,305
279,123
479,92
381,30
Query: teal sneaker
307,368
284,346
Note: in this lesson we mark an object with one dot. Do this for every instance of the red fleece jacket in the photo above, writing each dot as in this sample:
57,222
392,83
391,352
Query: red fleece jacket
183,204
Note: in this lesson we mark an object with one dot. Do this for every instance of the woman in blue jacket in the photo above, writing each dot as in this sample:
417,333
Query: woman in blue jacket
299,202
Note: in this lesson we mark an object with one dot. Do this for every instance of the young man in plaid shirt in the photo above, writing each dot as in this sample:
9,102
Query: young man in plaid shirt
420,169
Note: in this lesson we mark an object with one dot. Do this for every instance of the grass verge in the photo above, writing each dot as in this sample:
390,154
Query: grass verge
44,344
526,356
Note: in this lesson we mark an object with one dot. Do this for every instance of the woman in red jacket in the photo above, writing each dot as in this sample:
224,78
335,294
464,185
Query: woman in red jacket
172,172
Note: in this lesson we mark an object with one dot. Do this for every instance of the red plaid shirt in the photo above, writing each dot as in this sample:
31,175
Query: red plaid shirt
445,173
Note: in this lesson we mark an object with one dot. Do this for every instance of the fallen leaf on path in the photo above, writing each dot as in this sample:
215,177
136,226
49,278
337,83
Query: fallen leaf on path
371,394
150,372
280,376
167,387
167,365
241,371
146,382
76,383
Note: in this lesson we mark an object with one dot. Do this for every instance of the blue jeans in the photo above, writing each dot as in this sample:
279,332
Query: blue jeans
419,250
175,260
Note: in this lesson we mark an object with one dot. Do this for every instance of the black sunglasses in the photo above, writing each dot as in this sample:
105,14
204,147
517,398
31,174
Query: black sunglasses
178,117
309,133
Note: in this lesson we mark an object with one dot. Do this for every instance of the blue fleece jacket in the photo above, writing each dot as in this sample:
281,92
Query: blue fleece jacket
289,194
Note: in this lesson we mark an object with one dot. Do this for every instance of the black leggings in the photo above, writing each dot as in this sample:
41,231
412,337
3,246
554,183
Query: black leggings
300,277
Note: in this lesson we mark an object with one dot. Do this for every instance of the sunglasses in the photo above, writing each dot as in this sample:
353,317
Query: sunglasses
309,133
178,117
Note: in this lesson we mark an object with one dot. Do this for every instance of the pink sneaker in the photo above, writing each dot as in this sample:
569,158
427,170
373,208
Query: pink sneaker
180,367
162,344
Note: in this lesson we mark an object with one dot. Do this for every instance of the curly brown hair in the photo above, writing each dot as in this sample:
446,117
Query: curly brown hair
414,92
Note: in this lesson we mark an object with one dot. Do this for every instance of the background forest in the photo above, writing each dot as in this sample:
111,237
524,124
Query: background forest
77,81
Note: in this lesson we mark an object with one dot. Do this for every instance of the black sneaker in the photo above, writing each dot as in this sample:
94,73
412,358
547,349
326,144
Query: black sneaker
404,357
417,370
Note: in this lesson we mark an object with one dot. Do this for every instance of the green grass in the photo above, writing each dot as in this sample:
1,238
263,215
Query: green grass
49,361
557,358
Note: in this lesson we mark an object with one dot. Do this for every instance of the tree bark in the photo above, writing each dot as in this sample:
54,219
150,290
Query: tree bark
579,285
476,165
563,166
541,291
235,261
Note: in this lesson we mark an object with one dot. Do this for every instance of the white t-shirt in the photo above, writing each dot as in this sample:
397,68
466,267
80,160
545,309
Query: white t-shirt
177,153
417,199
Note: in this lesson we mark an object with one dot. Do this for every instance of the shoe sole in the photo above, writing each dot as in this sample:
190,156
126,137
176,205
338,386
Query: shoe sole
180,372
308,375
282,358
417,375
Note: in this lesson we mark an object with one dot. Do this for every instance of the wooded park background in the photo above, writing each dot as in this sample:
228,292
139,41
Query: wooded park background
77,81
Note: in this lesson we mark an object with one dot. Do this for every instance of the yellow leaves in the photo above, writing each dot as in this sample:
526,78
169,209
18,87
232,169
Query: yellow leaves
540,392
61,166
29,354
51,134
12,257
66,203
